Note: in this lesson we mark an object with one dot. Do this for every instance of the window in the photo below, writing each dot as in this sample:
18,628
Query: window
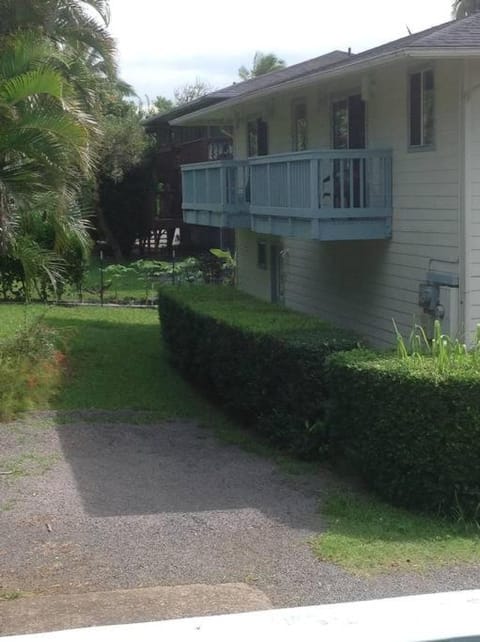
257,137
346,186
299,127
262,255
421,90
348,120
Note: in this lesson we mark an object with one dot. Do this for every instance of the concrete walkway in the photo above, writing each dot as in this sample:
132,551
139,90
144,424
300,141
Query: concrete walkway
95,505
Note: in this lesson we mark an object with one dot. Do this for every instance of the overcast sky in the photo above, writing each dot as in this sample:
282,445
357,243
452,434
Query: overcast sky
165,45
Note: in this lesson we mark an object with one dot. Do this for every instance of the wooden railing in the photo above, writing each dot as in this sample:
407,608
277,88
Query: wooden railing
330,184
217,186
297,194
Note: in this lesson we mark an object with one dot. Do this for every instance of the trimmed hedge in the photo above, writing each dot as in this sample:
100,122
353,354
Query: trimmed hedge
411,431
264,363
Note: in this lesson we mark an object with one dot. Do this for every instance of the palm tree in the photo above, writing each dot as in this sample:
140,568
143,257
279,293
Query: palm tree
463,8
44,135
79,24
51,243
262,64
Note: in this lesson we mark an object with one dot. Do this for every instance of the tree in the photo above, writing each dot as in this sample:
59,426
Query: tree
262,64
162,104
122,189
79,55
191,91
77,24
50,247
44,137
463,8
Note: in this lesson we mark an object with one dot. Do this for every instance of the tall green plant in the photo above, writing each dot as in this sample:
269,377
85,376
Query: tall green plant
442,349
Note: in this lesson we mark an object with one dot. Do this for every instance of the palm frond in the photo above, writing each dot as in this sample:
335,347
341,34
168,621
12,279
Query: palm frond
31,83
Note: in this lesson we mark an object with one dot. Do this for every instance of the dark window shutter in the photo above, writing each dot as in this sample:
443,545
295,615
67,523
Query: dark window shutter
262,133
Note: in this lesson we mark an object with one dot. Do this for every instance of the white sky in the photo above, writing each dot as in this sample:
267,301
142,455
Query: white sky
164,45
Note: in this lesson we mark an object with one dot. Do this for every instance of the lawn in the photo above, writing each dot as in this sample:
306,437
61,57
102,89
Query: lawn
367,536
115,361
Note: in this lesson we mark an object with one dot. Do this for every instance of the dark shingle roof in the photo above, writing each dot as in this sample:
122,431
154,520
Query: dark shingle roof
283,75
254,84
458,34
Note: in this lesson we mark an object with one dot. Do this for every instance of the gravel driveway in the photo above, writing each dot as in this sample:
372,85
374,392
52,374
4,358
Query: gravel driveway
95,504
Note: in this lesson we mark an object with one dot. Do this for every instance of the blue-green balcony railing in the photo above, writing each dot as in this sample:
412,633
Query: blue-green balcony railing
213,194
321,194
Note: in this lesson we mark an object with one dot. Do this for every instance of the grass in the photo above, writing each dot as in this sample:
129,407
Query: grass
367,537
10,595
123,287
115,361
8,505
27,464
30,364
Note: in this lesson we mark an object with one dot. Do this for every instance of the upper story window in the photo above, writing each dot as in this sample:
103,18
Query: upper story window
348,121
421,99
299,114
257,137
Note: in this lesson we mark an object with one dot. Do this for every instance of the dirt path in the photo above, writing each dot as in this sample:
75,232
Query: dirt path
94,504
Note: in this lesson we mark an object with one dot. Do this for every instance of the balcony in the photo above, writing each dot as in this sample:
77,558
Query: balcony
323,195
213,194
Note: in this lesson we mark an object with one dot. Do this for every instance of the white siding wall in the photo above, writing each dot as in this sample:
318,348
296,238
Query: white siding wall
252,278
472,196
364,284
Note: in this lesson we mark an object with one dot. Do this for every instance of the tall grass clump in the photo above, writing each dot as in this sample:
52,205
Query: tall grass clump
30,368
441,353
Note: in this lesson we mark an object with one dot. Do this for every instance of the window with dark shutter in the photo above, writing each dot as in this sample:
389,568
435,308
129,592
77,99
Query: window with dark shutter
257,137
348,119
299,127
421,102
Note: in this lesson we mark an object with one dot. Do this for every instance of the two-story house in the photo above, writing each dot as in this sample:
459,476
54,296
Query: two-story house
354,188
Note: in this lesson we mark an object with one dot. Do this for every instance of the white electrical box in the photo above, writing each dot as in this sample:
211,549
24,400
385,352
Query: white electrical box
449,300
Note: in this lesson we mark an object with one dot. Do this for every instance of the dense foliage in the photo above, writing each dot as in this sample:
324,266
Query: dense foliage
55,56
30,368
265,364
66,129
410,426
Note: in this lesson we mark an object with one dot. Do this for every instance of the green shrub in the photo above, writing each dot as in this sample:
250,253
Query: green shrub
11,278
410,426
30,368
264,363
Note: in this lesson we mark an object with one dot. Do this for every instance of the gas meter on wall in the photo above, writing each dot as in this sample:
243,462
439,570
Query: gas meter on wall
428,297
429,300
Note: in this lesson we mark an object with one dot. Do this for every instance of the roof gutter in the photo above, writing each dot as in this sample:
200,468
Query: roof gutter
323,75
